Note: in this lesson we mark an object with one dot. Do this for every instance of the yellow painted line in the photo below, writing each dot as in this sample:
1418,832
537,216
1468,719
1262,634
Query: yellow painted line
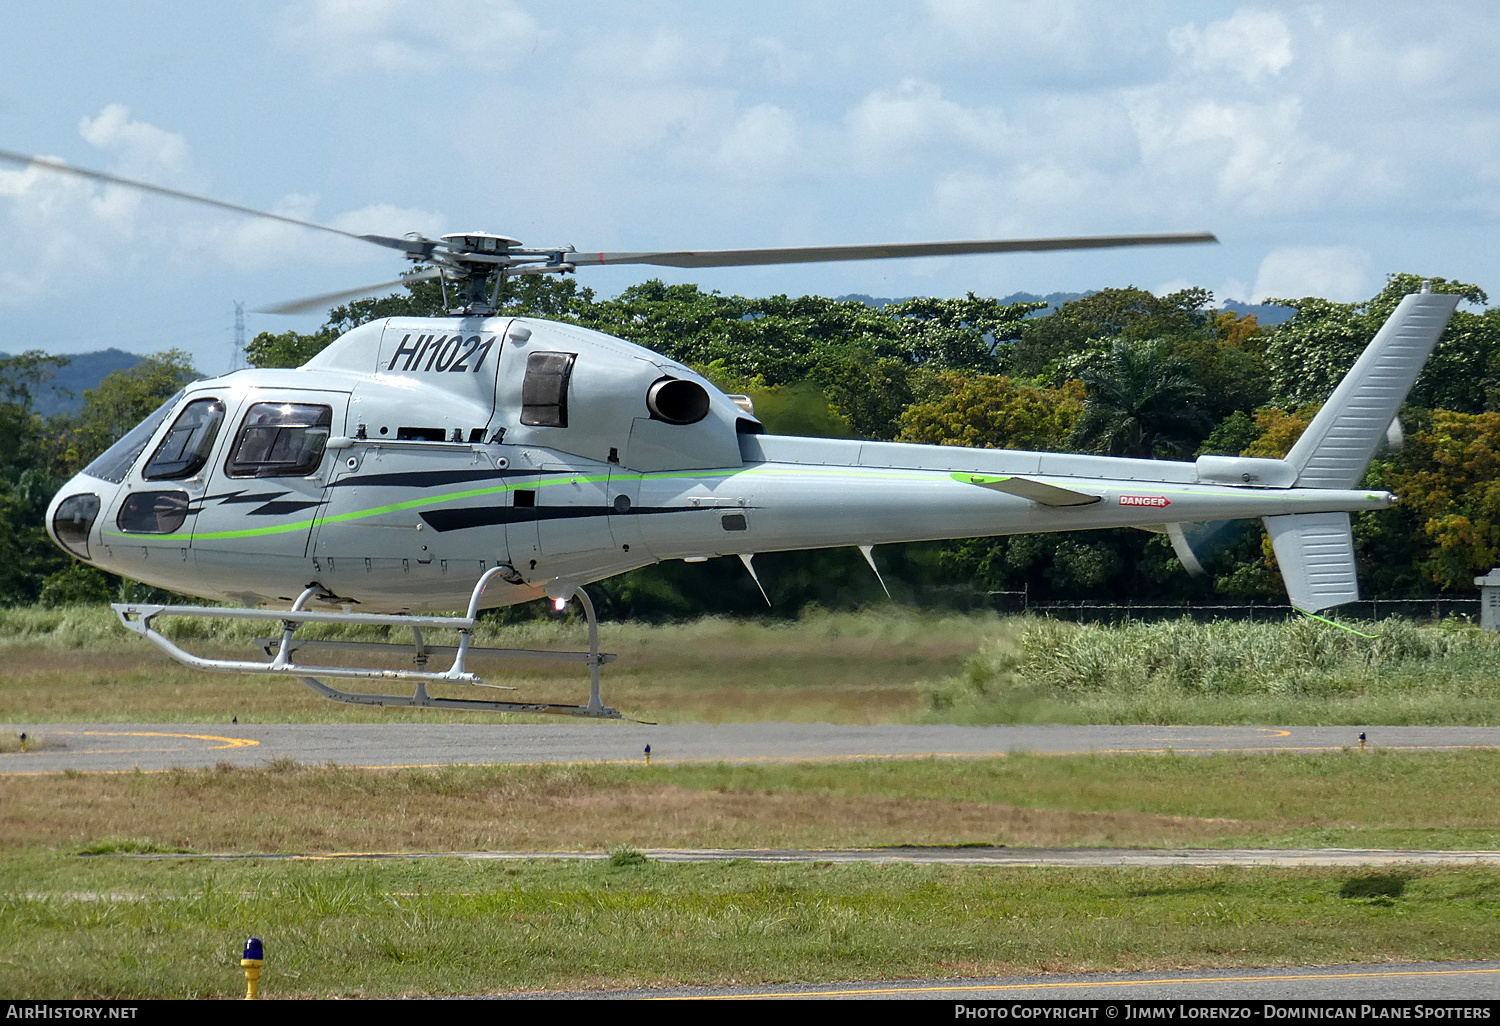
1079,984
228,742
1273,731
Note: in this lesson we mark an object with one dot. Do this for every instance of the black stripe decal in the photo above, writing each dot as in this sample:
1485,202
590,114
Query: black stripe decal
239,497
441,520
276,509
434,478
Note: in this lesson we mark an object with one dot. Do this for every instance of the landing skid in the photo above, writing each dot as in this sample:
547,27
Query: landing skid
280,652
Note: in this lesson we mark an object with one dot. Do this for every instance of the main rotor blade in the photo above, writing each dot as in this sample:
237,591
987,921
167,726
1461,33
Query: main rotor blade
820,254
160,190
327,299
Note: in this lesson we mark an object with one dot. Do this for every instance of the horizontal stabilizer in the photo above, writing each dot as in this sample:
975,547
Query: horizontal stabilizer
1316,555
1026,488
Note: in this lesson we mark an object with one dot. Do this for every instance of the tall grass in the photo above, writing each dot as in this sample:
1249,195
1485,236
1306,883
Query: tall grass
1299,671
96,626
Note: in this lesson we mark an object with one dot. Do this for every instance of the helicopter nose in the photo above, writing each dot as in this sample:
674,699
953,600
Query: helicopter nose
71,521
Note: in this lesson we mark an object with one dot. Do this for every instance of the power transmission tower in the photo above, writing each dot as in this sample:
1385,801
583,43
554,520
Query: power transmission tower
237,358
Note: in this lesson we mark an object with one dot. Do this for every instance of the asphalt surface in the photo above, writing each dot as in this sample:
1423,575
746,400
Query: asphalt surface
1398,981
1352,858
156,747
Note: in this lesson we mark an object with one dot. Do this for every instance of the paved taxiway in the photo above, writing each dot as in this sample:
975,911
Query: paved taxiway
1075,858
1398,981
124,747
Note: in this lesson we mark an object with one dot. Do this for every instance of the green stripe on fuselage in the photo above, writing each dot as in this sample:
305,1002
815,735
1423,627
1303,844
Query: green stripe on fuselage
565,478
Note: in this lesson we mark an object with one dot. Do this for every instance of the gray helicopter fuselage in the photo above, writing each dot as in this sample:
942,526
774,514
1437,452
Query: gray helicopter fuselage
412,455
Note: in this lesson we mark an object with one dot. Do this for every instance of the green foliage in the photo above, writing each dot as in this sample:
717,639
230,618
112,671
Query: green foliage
1188,672
1309,353
287,349
77,584
625,857
125,398
1120,371
1232,436
1142,400
27,555
1128,313
988,411
1449,475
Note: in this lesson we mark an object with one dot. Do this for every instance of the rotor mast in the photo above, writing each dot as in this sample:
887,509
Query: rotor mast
479,262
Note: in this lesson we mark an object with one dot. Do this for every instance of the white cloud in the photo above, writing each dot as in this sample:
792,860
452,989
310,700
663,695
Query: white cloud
1340,273
59,231
1363,57
142,147
252,243
1236,289
393,35
762,142
387,219
1250,44
780,62
1254,156
907,121
65,229
983,22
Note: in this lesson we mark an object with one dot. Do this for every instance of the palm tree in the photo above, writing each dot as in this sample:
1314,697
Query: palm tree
1142,401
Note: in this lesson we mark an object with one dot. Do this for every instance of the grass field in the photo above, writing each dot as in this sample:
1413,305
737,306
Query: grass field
1374,799
79,665
880,666
94,927
110,928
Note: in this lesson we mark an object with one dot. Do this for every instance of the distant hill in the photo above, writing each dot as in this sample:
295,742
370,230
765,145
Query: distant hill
64,393
1266,313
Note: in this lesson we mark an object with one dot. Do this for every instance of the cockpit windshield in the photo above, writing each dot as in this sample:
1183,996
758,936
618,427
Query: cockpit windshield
116,461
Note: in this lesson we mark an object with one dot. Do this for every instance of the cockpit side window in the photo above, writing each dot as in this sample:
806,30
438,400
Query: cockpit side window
544,392
188,444
280,440
115,462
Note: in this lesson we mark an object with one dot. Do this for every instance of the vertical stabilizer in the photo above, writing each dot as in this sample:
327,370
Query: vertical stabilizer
1337,446
1316,555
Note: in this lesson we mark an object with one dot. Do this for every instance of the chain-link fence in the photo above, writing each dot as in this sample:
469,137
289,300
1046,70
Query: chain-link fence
1422,609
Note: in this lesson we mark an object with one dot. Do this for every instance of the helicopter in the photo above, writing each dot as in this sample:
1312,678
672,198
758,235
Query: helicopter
477,460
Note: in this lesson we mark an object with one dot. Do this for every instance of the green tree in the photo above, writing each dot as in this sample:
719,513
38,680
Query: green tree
987,411
1309,354
1141,400
1079,326
125,398
1448,477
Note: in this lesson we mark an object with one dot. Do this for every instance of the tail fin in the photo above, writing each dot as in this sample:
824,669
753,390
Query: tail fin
1316,554
1316,550
1337,446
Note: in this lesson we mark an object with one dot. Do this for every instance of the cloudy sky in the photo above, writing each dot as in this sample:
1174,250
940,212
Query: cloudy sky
1327,145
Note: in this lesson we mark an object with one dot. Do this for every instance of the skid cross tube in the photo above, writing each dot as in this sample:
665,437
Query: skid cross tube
138,617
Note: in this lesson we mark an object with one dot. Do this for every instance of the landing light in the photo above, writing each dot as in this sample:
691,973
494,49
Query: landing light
559,604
